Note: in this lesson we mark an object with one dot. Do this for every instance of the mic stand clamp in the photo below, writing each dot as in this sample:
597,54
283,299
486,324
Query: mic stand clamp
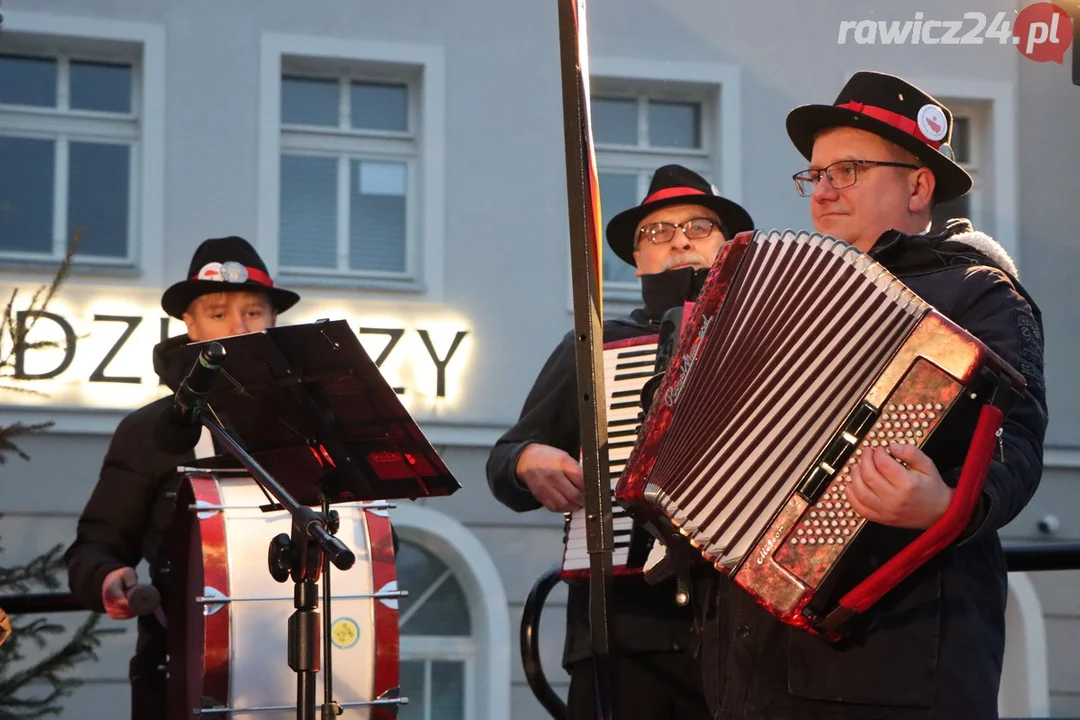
300,556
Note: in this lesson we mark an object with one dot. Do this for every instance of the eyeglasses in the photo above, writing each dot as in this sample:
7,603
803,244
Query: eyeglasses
840,174
658,233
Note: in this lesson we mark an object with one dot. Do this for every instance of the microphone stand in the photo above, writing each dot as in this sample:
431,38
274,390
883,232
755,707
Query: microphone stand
299,555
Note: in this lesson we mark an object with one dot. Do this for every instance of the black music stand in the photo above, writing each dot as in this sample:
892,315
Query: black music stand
308,414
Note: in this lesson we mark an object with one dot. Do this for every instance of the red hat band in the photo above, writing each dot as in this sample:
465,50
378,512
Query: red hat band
672,192
233,272
898,121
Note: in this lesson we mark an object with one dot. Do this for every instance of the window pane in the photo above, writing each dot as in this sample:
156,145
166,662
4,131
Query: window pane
674,124
411,681
417,569
27,81
309,102
380,107
958,208
448,690
961,139
102,87
98,183
26,194
308,223
614,121
618,192
377,219
444,611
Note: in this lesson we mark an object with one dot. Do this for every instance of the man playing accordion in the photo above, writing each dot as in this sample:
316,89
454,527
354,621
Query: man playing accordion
672,238
931,647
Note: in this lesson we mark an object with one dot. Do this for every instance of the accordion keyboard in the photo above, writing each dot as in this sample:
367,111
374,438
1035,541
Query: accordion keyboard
627,365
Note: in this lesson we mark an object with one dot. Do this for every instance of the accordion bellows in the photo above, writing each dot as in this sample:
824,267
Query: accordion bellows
800,353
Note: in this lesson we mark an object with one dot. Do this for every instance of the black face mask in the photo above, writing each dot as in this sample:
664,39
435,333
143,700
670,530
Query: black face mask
665,290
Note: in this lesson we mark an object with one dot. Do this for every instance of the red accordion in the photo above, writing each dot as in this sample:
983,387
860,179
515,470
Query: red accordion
800,352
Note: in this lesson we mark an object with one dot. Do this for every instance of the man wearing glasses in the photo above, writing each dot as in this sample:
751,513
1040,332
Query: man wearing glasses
672,238
931,648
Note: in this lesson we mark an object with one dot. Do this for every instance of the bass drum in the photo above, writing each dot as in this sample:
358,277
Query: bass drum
228,618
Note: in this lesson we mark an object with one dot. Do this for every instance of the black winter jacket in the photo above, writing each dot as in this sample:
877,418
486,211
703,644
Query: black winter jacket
130,509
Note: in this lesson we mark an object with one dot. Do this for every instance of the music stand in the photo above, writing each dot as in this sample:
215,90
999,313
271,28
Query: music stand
308,414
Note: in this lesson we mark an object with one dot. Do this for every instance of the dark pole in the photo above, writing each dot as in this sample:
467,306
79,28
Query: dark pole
583,202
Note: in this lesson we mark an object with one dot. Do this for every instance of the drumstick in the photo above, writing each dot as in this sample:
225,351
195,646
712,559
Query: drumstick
144,599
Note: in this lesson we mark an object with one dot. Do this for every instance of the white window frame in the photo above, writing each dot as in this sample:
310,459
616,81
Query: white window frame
101,40
996,206
718,89
282,54
488,675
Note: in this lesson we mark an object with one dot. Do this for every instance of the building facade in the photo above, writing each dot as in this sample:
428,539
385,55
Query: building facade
401,165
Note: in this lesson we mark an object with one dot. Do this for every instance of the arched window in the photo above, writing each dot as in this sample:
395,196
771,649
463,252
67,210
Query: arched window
438,652
455,621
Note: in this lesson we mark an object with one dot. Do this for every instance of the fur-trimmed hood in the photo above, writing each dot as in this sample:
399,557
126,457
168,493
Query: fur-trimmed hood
952,244
989,247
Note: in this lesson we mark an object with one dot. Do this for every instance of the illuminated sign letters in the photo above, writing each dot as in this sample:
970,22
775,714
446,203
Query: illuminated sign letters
108,345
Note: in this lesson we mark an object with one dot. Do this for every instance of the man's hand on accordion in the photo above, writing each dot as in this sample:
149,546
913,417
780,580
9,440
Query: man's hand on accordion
899,487
553,477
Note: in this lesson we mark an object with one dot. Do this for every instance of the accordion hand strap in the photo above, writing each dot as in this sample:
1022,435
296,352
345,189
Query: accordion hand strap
939,535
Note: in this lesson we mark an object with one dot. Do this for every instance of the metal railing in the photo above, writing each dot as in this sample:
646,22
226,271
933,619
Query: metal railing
1019,557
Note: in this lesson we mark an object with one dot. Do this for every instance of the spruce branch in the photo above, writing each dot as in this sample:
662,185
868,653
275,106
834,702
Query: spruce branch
13,333
21,696
18,429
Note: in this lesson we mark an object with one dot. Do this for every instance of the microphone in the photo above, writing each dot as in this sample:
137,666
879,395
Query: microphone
144,599
178,429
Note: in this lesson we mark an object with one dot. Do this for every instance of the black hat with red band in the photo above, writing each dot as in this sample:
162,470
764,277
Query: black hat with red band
674,185
894,109
225,265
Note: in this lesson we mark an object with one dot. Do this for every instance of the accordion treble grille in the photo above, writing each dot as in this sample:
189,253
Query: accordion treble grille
773,375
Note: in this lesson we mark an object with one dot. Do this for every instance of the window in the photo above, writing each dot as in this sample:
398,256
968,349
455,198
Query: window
348,174
455,621
647,114
437,647
967,119
70,139
634,134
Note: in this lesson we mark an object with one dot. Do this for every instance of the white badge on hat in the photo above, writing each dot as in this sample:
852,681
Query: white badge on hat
234,272
210,271
932,122
229,271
